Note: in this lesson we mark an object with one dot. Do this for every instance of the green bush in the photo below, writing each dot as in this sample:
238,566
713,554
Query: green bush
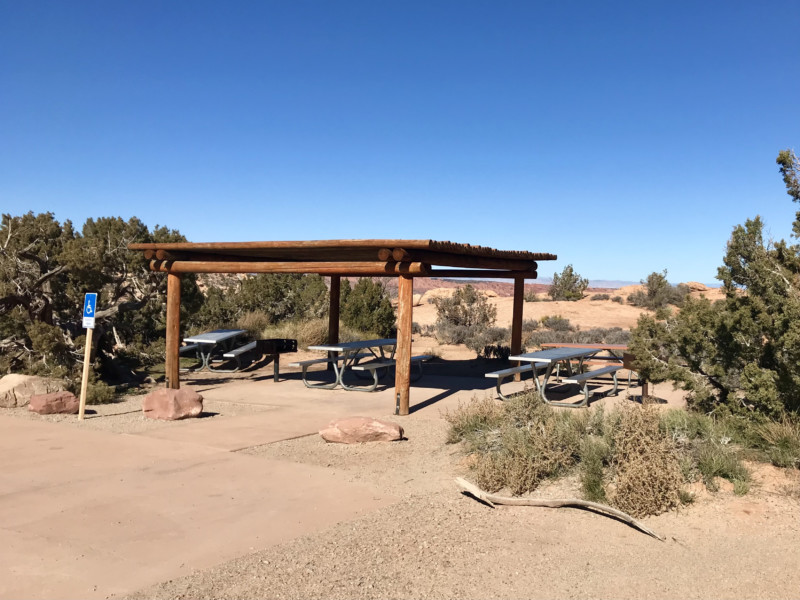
658,293
367,307
568,285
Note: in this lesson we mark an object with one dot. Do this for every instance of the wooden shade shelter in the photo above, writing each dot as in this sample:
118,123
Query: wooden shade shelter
404,259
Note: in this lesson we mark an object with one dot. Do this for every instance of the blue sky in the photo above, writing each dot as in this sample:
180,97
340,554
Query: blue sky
626,137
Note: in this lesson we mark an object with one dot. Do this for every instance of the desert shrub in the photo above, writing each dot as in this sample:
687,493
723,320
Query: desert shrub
479,415
612,335
648,472
531,297
557,323
634,458
617,299
489,342
309,332
568,285
465,315
97,391
416,328
529,326
525,442
254,322
658,292
600,297
367,307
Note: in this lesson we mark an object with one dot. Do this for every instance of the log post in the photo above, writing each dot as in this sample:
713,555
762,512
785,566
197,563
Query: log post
402,377
333,314
516,320
173,331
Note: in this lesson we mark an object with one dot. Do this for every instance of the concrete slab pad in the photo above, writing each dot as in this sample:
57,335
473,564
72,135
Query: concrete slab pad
86,514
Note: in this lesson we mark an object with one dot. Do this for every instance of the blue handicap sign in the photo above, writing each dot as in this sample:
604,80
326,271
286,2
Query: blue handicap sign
88,305
89,309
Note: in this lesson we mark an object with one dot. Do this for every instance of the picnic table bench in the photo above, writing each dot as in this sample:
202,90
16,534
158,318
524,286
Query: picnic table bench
502,375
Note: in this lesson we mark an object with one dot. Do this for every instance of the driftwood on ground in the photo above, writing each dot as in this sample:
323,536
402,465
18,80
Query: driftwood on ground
491,500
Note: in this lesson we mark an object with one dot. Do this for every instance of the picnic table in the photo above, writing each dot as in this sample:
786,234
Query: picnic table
210,344
550,357
616,353
356,357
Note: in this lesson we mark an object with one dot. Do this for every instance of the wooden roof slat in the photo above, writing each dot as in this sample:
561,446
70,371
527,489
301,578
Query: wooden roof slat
333,250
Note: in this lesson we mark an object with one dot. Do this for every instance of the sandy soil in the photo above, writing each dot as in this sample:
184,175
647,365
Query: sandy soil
437,543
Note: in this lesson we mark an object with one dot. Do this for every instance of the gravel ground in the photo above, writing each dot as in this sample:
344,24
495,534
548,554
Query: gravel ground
438,543
126,416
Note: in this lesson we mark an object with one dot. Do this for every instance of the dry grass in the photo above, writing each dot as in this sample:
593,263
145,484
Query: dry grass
781,442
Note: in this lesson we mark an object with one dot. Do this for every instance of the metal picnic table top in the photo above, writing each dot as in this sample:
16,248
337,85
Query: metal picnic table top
555,354
214,337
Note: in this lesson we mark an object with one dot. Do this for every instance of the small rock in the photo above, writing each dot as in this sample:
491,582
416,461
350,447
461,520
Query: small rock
16,390
353,430
170,405
54,403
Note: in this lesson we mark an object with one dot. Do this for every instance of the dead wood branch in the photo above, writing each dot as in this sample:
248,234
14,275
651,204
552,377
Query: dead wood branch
491,500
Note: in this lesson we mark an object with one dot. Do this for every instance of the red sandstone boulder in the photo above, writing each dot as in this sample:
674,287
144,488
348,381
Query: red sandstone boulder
57,402
352,430
171,405
16,389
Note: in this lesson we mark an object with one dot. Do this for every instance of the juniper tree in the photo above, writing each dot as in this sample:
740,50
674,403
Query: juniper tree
568,285
46,267
740,354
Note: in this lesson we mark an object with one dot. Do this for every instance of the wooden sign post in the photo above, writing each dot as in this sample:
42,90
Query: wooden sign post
89,308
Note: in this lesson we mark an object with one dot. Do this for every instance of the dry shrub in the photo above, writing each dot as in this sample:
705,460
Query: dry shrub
312,332
478,416
254,322
517,444
648,470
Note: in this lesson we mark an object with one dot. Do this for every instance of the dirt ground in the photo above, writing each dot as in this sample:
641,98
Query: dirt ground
438,543
434,542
